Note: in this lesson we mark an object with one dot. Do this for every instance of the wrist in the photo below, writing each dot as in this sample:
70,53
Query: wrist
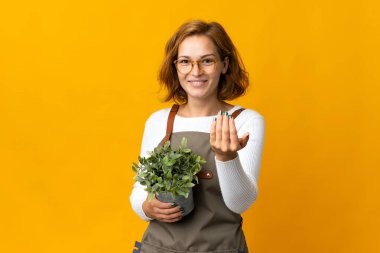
145,209
226,157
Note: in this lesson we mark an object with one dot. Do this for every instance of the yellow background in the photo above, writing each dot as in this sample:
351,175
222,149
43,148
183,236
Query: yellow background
79,78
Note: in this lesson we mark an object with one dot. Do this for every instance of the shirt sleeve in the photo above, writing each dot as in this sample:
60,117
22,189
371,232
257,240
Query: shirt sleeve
238,177
139,195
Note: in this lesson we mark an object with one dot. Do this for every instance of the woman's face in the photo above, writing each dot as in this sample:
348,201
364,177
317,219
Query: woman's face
200,82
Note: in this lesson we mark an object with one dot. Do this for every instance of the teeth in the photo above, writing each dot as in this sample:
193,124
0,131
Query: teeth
197,83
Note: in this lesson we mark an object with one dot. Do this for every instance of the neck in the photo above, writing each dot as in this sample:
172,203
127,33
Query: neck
201,108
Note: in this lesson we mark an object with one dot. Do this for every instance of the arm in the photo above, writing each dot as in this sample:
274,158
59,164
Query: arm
139,195
137,199
155,209
238,166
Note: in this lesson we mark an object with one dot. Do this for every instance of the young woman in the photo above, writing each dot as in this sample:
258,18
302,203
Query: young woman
202,70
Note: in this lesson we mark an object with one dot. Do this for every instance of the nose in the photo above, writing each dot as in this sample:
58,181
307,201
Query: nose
196,71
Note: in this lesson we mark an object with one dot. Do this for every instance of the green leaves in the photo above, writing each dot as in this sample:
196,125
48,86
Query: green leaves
186,150
167,161
168,170
183,143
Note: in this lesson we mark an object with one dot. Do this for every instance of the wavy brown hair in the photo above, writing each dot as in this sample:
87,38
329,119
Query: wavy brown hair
231,85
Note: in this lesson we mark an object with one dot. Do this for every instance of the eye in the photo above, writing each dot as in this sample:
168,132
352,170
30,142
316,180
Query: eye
208,61
183,61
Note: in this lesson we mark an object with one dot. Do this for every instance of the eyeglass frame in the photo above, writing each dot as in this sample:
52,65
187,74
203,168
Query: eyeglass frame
197,62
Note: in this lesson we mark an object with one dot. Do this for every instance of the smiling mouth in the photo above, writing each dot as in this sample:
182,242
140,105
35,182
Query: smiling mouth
197,82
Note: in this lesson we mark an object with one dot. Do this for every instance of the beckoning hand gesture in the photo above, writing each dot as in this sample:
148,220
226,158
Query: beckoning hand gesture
224,139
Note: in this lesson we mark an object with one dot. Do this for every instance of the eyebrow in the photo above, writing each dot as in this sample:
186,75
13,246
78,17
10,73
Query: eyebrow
203,56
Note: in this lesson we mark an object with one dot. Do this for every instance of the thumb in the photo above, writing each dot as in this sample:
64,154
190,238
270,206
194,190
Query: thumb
244,140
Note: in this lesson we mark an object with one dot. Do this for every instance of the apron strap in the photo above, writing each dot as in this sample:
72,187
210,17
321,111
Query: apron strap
170,123
237,112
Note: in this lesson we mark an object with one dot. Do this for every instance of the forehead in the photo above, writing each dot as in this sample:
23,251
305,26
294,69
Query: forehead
196,46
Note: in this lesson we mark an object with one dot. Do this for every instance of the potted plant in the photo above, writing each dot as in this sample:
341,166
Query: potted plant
169,174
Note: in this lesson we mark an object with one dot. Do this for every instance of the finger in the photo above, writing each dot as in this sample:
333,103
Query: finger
168,217
162,205
164,214
233,133
244,140
218,128
226,130
169,211
213,131
172,220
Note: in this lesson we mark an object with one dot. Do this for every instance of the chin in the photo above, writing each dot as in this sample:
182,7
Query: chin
198,95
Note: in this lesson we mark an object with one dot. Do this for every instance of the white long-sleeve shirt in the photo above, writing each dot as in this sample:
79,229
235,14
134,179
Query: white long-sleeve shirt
237,177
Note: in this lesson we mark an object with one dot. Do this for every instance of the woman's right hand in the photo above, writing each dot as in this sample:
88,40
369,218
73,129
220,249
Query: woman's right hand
162,211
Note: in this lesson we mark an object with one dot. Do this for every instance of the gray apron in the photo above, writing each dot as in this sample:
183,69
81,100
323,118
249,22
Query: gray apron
211,226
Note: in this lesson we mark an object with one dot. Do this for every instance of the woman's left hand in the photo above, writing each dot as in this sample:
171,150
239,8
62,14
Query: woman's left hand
224,139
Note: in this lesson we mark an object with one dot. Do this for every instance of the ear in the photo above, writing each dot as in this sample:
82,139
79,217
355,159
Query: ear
225,65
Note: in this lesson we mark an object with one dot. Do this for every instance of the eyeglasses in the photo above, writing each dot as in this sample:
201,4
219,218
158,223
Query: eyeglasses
184,66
